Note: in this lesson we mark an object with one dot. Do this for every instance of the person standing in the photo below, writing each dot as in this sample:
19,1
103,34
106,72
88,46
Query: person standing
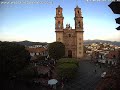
95,70
62,83
62,86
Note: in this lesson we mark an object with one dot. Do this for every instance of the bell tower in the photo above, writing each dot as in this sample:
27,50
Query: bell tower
59,24
59,18
78,19
79,31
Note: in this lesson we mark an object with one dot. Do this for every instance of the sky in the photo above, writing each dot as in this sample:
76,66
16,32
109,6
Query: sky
34,20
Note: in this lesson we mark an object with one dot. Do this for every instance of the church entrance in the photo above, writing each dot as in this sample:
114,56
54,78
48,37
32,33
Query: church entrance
69,53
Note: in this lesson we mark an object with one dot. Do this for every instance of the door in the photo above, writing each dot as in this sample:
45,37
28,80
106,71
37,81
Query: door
69,53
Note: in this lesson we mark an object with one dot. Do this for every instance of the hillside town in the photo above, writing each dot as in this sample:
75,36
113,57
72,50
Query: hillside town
103,53
98,52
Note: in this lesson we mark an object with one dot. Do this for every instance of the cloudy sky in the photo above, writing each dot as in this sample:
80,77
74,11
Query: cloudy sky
34,19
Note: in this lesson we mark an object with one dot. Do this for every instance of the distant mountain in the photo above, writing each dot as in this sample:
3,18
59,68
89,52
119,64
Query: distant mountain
30,43
102,41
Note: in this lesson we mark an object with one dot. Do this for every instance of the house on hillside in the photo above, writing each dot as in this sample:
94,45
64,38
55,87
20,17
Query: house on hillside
112,57
38,51
102,57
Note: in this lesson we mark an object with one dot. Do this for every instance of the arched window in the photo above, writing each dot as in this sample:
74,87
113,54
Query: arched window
79,24
78,12
58,11
69,35
58,24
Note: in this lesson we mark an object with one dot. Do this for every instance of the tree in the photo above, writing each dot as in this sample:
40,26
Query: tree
67,68
56,50
13,58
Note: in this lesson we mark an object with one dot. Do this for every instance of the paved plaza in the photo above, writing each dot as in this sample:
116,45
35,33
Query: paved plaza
87,78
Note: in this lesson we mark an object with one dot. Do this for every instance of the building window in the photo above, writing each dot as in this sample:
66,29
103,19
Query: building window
58,24
79,43
58,11
78,12
79,52
79,24
69,35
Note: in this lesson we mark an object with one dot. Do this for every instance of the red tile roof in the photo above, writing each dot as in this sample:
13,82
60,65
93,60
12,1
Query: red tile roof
112,54
36,50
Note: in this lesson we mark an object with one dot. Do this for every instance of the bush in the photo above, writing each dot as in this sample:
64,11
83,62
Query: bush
67,60
67,67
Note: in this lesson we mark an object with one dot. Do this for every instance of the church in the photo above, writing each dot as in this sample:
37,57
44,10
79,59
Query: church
71,38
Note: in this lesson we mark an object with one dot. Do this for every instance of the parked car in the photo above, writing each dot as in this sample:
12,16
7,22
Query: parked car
103,74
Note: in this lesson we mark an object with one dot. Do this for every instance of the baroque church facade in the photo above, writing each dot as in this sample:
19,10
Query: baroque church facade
71,38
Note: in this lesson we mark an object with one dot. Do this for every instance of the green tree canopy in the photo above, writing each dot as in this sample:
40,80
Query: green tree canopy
67,68
13,58
56,50
67,60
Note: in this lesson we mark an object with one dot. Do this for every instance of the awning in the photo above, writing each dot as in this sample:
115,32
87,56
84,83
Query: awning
52,81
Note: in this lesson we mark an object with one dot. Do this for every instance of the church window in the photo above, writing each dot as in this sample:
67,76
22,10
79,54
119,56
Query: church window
79,24
78,12
69,35
59,24
58,11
